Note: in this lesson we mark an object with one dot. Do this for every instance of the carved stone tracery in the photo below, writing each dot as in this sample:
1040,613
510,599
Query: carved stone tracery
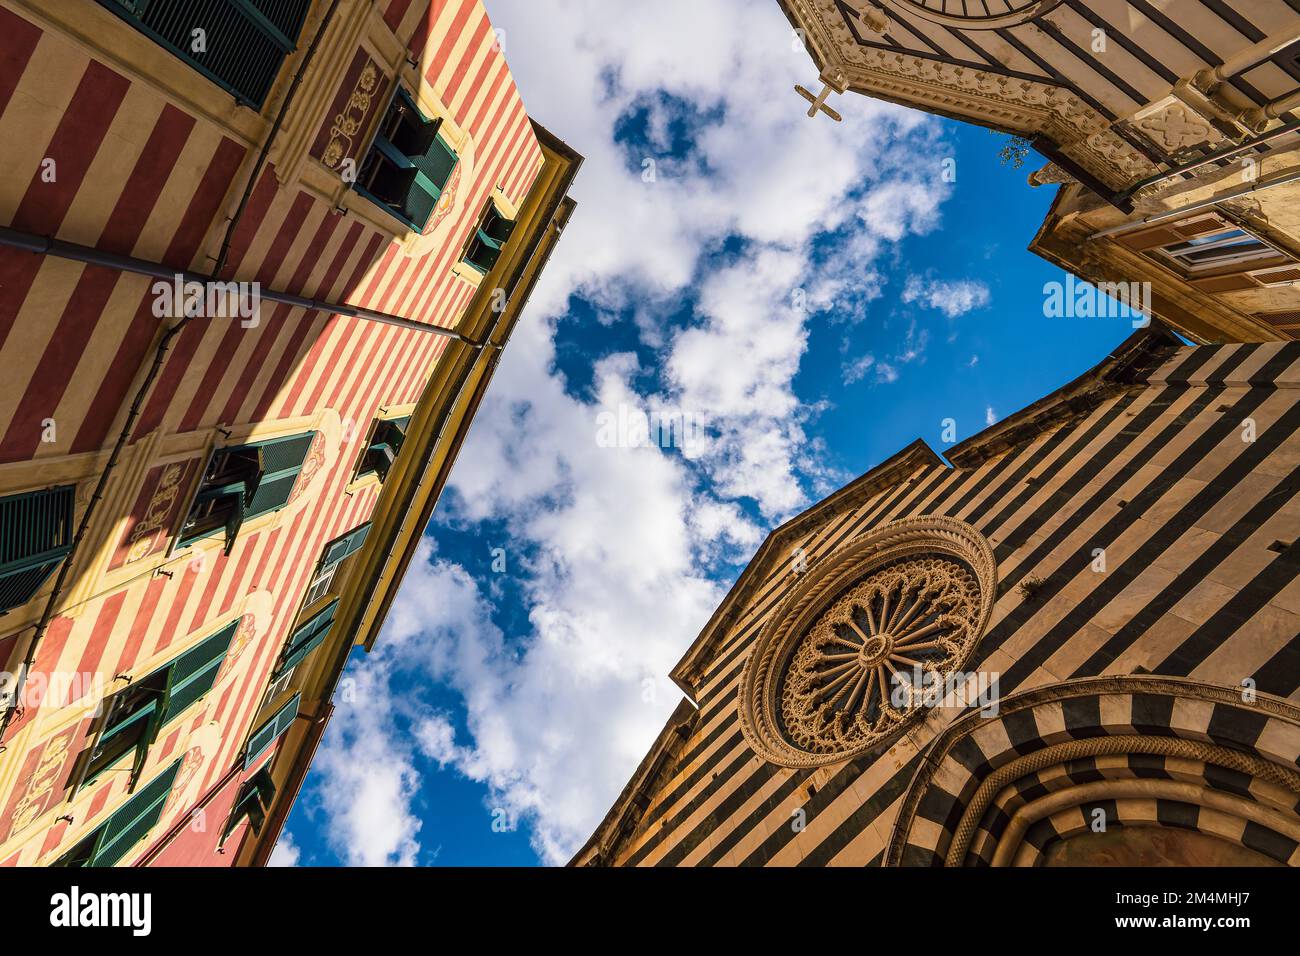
839,668
842,689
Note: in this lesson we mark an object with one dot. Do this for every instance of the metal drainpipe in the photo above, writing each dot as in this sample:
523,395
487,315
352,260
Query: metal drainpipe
1208,79
1214,157
137,402
43,245
1193,207
1261,116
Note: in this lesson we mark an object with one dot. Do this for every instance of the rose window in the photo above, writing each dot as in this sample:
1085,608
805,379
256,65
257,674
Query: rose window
860,668
865,641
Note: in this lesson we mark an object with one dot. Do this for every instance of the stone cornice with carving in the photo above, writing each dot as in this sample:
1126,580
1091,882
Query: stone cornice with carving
1024,105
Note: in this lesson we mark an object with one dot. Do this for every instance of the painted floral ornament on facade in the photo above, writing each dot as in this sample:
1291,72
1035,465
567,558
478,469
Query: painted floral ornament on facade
245,634
835,671
348,123
313,463
446,201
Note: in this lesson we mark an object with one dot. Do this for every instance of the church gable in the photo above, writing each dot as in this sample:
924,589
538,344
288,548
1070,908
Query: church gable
1133,526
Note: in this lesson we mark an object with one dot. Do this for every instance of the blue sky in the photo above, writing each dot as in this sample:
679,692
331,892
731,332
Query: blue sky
812,295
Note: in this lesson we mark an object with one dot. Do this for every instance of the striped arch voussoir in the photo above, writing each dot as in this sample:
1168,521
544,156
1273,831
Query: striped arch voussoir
1167,752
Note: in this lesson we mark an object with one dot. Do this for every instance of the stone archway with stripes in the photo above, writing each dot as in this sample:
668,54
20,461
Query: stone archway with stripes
1104,764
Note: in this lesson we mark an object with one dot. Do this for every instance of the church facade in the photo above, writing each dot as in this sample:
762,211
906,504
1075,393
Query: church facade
1169,128
1075,641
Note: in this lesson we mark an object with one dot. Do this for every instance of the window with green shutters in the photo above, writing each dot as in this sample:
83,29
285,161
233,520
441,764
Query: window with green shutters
386,438
313,631
266,735
307,637
35,536
242,482
135,714
408,164
484,247
346,545
130,725
110,842
336,552
242,43
253,803
195,671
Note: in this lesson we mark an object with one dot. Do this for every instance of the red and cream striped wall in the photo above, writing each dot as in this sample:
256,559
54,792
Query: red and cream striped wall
108,141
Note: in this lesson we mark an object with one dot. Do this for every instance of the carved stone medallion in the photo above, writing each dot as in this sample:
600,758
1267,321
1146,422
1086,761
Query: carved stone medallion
838,669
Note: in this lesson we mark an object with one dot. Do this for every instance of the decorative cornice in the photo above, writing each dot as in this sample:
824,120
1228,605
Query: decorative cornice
1011,102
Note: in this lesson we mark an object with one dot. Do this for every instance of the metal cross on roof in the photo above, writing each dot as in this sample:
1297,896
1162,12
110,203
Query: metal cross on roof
819,101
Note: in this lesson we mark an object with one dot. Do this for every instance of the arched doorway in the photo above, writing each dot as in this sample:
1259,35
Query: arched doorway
1110,771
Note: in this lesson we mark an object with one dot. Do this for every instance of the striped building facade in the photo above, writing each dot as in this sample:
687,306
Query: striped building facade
1170,127
1112,572
202,511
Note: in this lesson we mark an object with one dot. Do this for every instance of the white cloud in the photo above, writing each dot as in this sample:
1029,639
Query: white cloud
369,776
952,298
286,852
914,344
615,549
857,370
436,738
990,416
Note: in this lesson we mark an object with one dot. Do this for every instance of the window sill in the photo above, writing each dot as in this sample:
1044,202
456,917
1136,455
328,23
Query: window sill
361,482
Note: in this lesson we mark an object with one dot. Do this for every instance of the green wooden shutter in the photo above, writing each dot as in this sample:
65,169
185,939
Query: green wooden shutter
255,797
426,150
246,41
195,671
491,234
129,825
277,464
125,729
308,637
35,536
386,439
483,252
345,546
130,726
403,186
421,200
497,226
282,460
416,164
270,731
286,15
436,162
81,854
395,431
